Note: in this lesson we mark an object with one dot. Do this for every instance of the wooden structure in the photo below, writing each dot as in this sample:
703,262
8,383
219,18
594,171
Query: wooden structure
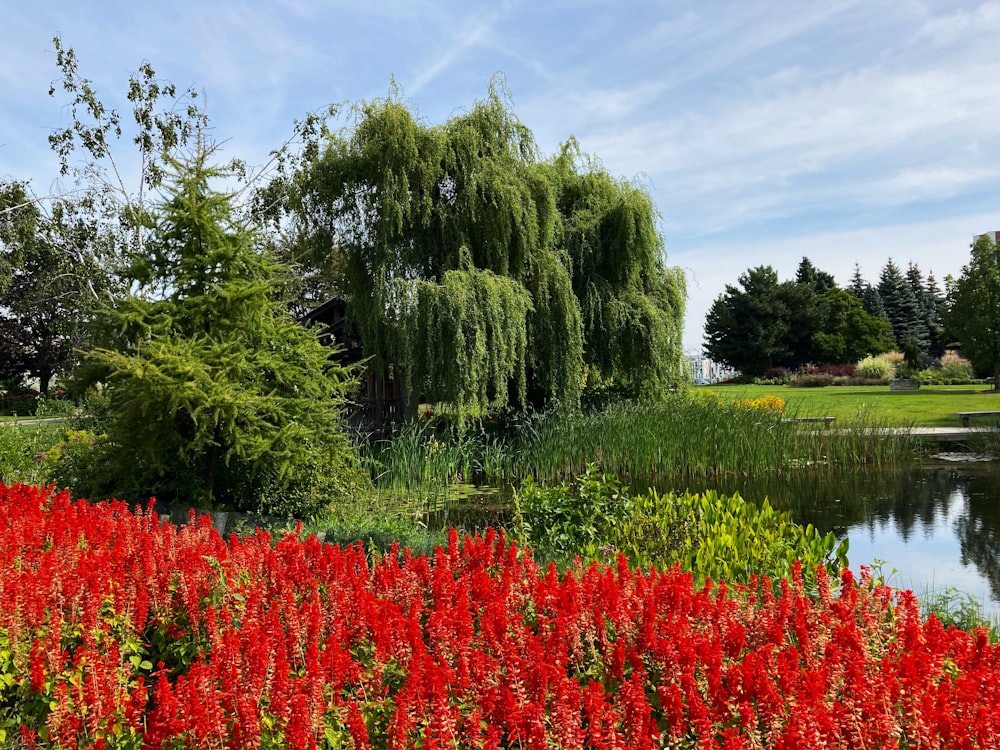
965,416
379,402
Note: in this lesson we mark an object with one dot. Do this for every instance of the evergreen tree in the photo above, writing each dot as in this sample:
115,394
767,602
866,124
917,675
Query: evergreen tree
867,294
819,281
215,394
902,309
747,327
930,321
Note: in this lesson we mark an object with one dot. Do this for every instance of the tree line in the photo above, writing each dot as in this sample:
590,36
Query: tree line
765,323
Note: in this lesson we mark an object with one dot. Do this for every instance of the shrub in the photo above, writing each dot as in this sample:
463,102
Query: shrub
765,403
881,367
717,537
775,376
834,371
812,381
955,367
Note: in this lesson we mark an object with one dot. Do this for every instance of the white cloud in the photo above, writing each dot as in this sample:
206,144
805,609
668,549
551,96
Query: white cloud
955,27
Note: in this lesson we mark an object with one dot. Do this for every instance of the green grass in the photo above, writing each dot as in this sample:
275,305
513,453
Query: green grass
685,438
931,406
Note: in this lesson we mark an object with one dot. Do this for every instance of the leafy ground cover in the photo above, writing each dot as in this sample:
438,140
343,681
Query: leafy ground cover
120,631
931,406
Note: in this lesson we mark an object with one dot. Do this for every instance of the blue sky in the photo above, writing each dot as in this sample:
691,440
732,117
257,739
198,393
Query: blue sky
847,131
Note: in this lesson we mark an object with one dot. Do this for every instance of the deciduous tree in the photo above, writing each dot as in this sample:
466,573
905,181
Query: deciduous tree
973,308
490,277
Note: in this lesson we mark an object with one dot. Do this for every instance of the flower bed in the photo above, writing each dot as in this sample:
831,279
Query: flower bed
120,631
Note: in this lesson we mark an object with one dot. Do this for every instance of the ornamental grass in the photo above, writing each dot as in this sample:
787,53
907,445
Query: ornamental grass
118,630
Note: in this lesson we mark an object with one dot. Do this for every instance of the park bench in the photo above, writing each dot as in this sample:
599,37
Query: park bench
965,416
904,384
824,420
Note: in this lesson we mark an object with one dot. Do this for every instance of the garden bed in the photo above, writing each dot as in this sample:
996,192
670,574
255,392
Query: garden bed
122,632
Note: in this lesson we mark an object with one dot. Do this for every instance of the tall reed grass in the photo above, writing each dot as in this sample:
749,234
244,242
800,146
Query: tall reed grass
681,438
687,438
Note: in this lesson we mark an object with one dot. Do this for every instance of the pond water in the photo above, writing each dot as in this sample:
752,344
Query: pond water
936,524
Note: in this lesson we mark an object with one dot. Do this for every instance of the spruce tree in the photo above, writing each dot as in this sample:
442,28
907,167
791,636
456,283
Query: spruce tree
902,309
216,395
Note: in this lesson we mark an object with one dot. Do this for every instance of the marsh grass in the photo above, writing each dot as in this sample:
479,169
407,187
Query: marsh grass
959,609
687,438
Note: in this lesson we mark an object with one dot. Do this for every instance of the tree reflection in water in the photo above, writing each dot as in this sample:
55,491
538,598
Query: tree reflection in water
903,509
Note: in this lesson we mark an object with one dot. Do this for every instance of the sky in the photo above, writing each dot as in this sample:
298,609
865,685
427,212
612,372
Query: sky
846,131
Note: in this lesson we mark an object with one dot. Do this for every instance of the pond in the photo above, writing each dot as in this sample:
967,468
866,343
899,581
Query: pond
929,527
934,525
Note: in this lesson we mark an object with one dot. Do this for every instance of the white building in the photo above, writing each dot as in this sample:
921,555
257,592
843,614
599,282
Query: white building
704,370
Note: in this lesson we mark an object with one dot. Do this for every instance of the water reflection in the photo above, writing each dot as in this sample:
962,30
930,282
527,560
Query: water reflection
937,525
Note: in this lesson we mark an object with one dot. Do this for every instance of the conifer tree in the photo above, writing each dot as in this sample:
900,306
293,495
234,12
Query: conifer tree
973,308
215,394
902,309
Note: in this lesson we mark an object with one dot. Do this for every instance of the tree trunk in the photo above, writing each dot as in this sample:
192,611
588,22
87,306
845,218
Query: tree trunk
211,468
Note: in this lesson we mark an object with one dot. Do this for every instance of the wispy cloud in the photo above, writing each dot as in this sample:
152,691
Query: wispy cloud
960,25
761,130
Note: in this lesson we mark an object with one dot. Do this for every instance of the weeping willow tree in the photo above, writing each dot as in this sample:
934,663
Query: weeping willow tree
488,276
632,305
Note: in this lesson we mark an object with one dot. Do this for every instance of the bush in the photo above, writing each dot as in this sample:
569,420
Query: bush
881,367
775,376
954,367
21,450
812,381
839,371
712,536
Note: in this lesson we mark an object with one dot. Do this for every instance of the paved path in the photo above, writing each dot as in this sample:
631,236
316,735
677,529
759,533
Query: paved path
32,420
946,434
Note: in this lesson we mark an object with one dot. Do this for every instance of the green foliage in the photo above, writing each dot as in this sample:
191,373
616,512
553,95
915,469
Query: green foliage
747,327
422,456
955,368
457,235
903,309
878,367
973,308
718,537
565,521
465,339
656,442
216,396
849,333
22,450
49,288
766,323
957,609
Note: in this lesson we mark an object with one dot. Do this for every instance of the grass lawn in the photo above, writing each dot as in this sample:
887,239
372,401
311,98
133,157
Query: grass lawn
931,406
